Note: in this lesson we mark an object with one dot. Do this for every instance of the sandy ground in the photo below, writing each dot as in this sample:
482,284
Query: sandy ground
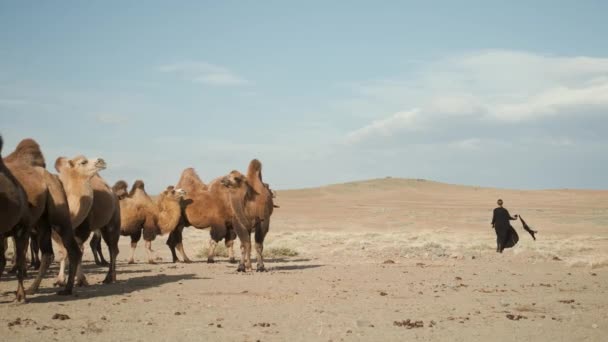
371,256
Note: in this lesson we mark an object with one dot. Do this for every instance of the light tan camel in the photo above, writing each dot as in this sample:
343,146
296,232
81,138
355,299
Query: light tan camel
47,211
75,175
104,217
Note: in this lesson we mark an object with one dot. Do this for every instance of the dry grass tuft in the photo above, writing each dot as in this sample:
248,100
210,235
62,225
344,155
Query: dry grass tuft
269,252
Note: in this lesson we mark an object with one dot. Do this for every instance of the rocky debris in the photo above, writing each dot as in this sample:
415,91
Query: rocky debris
593,274
263,325
409,324
516,317
177,313
458,278
61,317
389,261
19,321
382,293
567,301
459,319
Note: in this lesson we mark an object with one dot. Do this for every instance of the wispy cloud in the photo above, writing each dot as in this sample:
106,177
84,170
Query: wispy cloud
401,121
205,73
487,88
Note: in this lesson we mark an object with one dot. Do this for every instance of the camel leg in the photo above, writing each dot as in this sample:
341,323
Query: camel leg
211,251
2,256
171,243
135,237
81,279
229,242
21,242
111,234
34,251
95,245
230,247
62,254
260,233
13,269
46,249
245,238
180,249
175,241
149,252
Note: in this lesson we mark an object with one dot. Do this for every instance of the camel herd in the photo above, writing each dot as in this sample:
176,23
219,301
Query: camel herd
38,207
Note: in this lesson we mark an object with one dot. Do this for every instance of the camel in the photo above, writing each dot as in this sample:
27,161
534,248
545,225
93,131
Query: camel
95,242
103,216
252,205
139,213
47,210
203,208
13,207
76,175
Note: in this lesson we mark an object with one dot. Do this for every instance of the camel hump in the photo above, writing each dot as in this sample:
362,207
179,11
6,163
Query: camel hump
139,184
28,151
120,185
190,180
255,165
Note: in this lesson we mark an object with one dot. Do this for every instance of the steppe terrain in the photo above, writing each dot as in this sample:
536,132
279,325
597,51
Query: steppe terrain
354,262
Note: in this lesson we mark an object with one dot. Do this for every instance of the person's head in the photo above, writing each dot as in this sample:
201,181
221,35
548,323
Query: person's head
499,202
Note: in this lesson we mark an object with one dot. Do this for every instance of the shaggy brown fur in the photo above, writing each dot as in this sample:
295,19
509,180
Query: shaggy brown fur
47,210
205,207
13,206
252,205
139,213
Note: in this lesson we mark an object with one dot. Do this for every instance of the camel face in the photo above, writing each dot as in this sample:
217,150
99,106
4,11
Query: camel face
233,180
120,189
175,194
80,165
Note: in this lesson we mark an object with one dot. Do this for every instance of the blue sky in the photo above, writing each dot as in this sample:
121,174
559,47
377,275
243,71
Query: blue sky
470,92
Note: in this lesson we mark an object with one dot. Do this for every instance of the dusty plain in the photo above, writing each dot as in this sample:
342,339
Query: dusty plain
370,256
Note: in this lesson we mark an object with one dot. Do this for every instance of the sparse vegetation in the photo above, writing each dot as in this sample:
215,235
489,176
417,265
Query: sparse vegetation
269,252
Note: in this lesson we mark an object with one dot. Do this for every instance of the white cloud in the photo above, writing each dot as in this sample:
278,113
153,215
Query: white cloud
491,87
205,73
407,120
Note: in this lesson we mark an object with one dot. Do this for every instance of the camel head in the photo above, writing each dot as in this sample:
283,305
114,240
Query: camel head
236,181
173,193
79,166
120,189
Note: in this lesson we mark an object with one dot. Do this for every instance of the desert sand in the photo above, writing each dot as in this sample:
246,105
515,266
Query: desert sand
389,259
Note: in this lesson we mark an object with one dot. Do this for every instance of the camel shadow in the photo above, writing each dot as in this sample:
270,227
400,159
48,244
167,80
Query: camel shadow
285,259
294,267
121,287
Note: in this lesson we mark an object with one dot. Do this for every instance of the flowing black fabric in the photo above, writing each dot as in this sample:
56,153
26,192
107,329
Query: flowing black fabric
506,236
527,228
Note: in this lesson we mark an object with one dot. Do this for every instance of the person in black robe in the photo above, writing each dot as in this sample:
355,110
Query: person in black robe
506,236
